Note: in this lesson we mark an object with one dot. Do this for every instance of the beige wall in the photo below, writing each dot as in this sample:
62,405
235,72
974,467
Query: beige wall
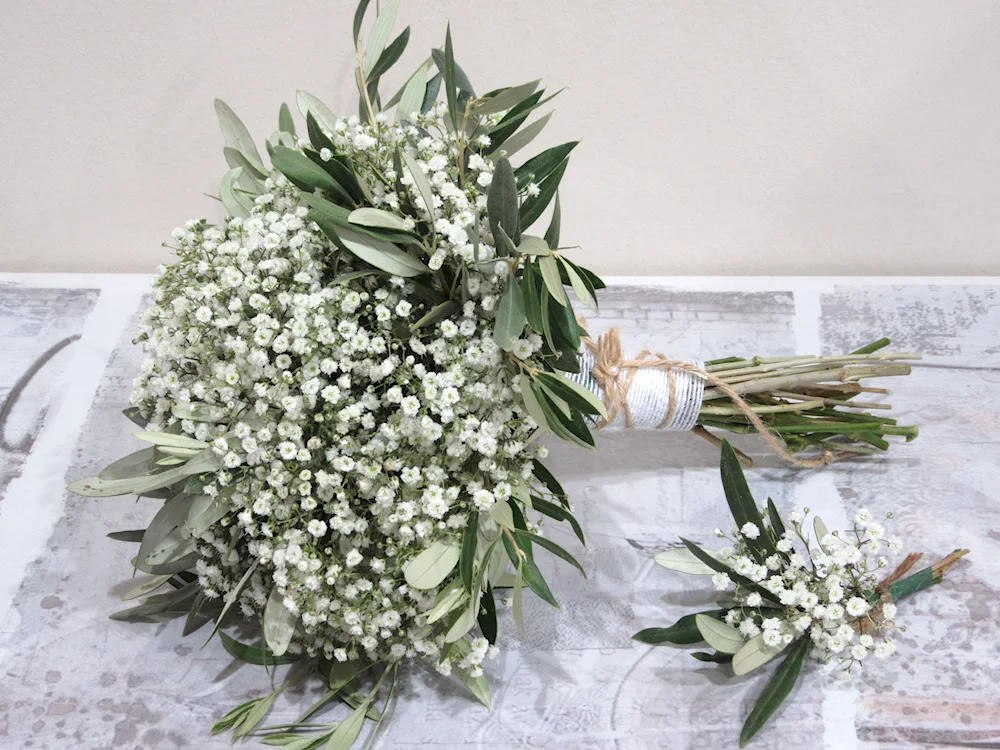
792,137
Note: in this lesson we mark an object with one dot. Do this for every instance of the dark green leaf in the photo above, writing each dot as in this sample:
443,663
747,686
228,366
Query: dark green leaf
390,55
777,525
526,537
532,576
776,690
488,616
569,427
682,633
255,654
134,536
303,172
572,393
359,17
134,415
431,94
539,167
531,280
449,79
534,206
547,478
714,564
350,191
741,502
467,561
502,203
437,313
552,233
716,657
338,216
558,513
285,122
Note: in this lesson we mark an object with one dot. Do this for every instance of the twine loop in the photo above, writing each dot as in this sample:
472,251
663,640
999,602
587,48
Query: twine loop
616,376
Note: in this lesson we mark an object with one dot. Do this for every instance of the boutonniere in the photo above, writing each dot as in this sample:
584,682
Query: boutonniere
791,589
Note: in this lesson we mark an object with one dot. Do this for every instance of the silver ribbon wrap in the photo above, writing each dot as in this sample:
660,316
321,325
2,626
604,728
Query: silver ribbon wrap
649,395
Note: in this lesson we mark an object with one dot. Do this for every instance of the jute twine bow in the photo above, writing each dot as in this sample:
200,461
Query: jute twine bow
614,374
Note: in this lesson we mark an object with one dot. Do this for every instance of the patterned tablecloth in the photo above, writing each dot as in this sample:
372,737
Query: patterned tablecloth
72,678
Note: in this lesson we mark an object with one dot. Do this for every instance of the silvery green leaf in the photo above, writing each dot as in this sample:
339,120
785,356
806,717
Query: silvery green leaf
449,599
510,320
531,245
170,440
376,217
346,733
683,561
205,512
285,121
465,622
423,185
531,404
172,601
432,566
381,254
251,178
235,202
719,635
579,287
170,461
819,528
553,282
236,134
133,465
505,99
171,515
309,104
501,513
412,97
523,137
255,715
198,412
231,598
146,586
753,654
381,30
96,487
479,686
170,548
279,623
180,453
518,596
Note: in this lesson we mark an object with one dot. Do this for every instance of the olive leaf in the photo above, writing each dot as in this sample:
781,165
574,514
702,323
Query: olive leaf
432,565
381,29
776,690
502,203
683,560
236,134
510,320
279,623
719,635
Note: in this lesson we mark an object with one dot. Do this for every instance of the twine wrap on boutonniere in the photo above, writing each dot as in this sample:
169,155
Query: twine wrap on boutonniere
768,396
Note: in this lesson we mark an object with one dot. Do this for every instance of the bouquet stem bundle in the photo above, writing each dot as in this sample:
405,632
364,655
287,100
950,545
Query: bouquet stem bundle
798,403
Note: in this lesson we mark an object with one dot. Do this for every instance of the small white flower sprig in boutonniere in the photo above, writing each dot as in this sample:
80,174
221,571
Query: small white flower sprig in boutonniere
787,593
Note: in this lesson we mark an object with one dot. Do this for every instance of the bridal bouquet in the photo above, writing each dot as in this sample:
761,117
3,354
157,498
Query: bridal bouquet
343,379
784,592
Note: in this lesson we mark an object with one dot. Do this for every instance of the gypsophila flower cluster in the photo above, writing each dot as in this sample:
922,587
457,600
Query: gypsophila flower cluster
346,441
826,589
